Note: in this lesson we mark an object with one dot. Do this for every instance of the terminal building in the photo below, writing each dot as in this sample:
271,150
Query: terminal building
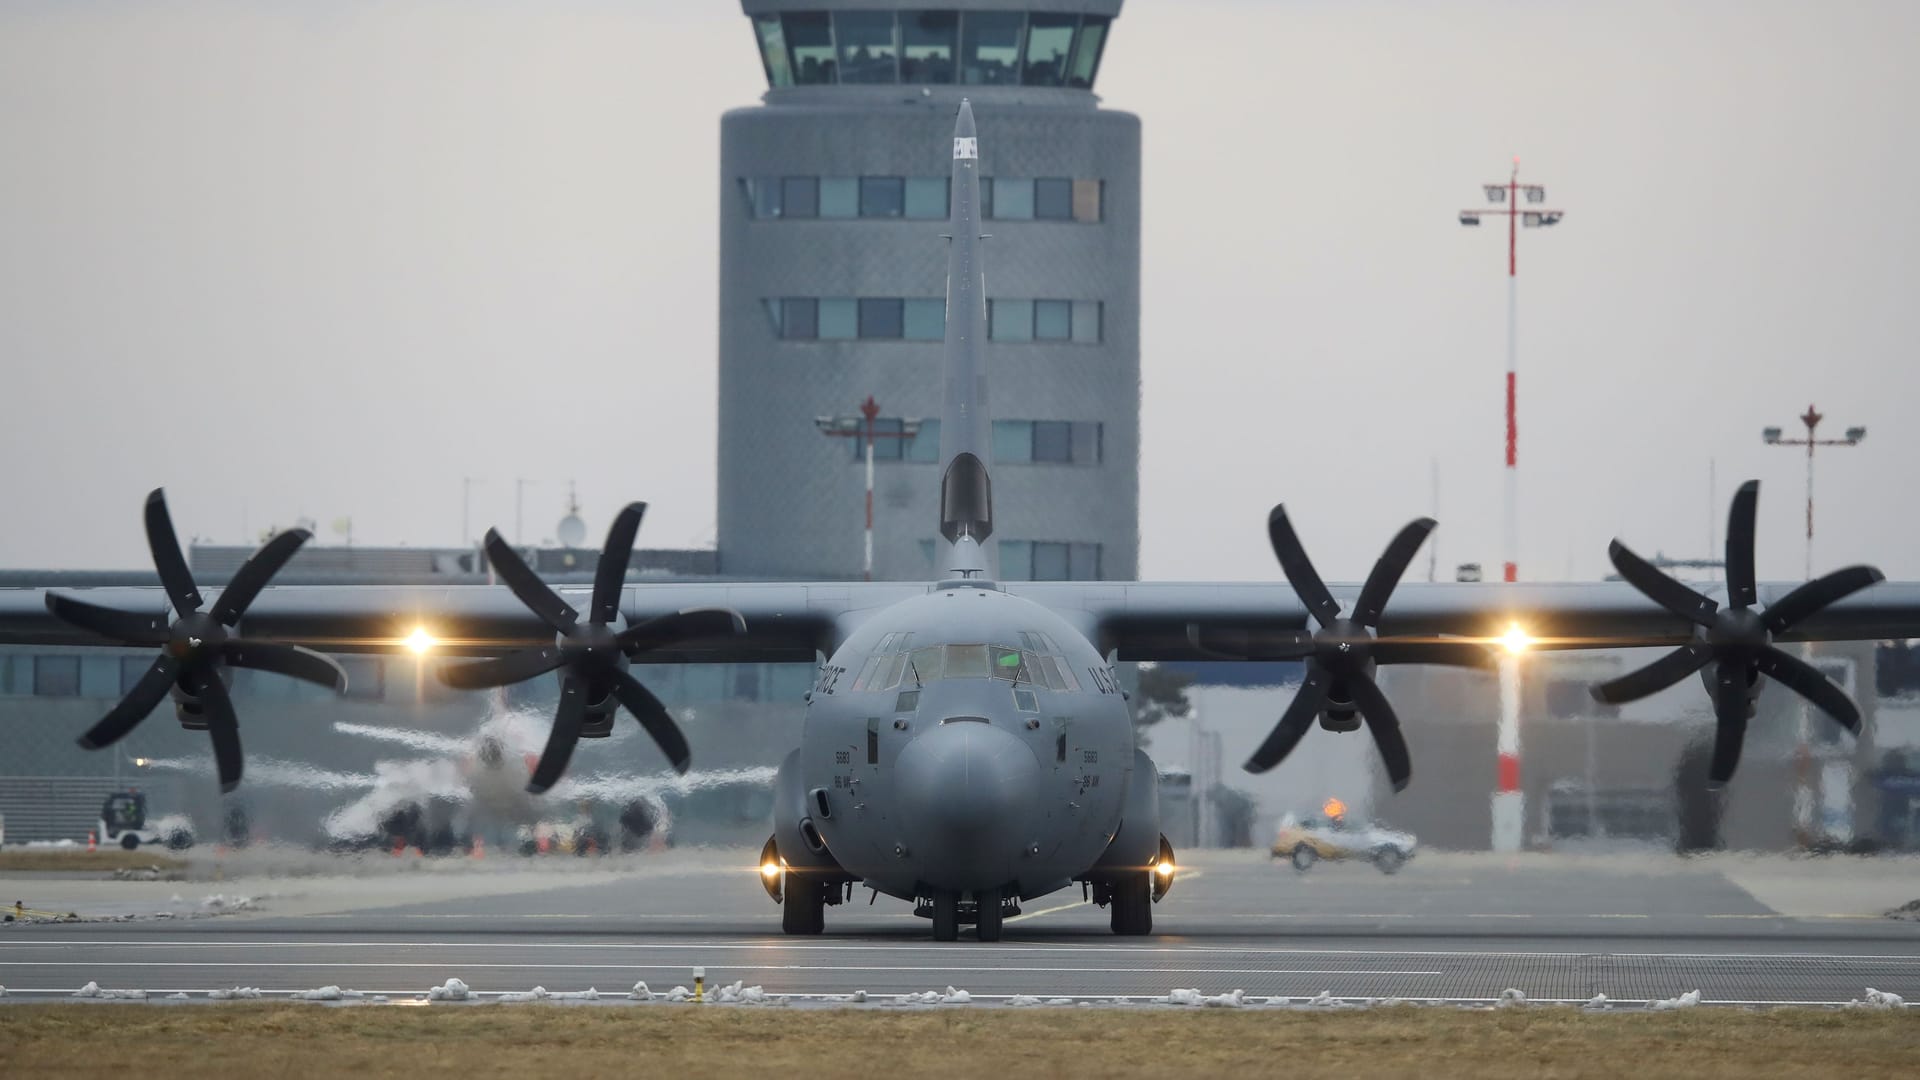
833,203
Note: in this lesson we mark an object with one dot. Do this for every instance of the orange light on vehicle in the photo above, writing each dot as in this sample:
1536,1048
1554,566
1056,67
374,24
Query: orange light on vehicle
1334,808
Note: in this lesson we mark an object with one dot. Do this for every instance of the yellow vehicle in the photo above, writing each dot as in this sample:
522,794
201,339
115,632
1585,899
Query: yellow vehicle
1307,841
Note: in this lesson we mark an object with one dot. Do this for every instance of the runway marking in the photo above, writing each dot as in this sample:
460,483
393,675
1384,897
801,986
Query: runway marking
1137,950
1047,911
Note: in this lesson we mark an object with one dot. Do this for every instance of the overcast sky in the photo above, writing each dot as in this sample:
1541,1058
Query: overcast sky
327,258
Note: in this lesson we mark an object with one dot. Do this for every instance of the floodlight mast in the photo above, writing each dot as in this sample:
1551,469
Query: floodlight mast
1509,799
1811,418
862,427
1508,195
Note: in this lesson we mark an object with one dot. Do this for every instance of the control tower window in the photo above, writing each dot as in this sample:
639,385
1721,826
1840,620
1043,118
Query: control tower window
990,48
1012,198
925,320
867,51
1086,58
882,318
882,196
839,196
926,197
799,196
1049,41
1053,199
773,50
927,46
810,39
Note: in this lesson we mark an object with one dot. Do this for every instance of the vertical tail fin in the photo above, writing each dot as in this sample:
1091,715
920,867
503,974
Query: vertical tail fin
966,491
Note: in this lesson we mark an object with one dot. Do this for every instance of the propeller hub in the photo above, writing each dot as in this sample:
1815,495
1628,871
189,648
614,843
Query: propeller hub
1343,646
194,635
1739,628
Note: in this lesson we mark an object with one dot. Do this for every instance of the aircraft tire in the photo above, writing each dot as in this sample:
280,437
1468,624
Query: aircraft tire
946,916
1304,856
804,910
1132,907
991,915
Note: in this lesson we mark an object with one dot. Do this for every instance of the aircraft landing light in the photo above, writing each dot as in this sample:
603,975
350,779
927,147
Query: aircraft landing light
420,641
1516,640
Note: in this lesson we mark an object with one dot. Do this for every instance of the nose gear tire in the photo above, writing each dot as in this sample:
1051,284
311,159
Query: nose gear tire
946,916
990,916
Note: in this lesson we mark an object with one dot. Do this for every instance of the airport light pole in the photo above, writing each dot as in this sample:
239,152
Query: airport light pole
862,427
1812,418
1509,799
1506,197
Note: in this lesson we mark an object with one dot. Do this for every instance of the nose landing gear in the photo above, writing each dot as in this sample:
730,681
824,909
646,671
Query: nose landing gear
987,911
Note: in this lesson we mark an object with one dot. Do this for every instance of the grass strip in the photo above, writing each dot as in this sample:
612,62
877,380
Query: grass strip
155,1042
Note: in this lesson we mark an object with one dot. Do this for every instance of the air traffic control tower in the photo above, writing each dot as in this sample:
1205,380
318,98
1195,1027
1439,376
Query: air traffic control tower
833,279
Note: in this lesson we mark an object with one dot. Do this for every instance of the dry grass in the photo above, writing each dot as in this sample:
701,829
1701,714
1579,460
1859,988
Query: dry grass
299,1040
104,859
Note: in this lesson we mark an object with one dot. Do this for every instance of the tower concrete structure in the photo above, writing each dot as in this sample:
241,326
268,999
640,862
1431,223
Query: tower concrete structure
832,287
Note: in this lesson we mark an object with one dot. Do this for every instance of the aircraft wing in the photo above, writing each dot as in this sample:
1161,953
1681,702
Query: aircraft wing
1136,620
1255,620
784,622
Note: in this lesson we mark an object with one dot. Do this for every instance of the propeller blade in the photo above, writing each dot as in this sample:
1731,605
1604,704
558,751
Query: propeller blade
681,626
134,707
611,574
1811,597
121,626
567,721
526,584
1740,588
1250,644
223,726
1388,569
254,574
1294,723
293,661
1385,728
514,667
1660,588
655,718
1655,677
1730,714
167,559
1465,654
1299,569
1806,680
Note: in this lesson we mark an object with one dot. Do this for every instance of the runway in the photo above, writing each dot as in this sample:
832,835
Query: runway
1447,927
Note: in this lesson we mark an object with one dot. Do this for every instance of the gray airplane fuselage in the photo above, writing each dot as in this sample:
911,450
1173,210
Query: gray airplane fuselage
1006,768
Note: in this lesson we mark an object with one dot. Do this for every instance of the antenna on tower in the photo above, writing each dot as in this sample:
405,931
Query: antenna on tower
572,530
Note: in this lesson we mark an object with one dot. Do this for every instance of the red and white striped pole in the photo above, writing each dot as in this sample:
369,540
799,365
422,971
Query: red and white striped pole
871,411
1509,805
1512,561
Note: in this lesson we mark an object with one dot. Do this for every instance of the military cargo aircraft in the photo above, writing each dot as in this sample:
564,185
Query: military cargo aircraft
967,745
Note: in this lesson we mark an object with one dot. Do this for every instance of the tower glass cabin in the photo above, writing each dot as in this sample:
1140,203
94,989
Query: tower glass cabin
832,287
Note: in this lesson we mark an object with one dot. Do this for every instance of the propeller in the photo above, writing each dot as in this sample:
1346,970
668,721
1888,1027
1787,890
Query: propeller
1736,639
197,644
1342,654
591,655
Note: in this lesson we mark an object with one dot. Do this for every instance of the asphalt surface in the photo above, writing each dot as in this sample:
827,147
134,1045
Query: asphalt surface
1446,927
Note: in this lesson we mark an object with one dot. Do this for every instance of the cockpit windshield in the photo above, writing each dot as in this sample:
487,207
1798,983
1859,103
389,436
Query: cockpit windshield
897,664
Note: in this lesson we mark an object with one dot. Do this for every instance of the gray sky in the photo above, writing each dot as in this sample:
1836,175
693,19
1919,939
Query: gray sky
327,258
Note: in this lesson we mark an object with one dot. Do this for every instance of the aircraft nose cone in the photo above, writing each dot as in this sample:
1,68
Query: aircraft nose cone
968,791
